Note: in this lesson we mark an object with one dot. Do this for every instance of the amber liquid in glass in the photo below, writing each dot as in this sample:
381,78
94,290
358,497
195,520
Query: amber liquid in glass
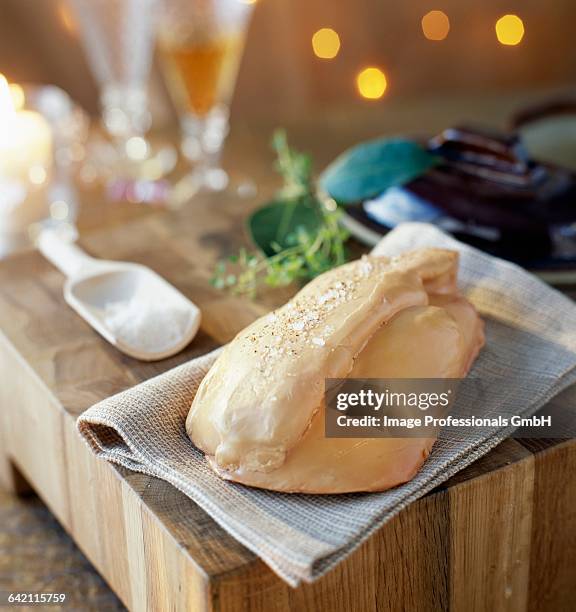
202,73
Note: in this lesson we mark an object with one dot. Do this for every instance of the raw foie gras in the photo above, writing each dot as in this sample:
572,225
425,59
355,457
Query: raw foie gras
258,414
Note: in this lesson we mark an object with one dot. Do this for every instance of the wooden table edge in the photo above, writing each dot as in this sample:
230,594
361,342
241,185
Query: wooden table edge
147,566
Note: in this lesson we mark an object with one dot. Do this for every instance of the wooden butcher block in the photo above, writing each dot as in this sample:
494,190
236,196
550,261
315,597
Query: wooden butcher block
501,535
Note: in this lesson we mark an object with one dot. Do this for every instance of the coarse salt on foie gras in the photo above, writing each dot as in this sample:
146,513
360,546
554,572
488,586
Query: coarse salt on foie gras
258,414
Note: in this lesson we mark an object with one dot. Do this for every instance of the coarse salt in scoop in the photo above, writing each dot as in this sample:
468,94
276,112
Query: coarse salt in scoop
128,304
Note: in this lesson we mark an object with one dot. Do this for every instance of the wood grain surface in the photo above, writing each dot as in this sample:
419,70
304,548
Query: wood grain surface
37,556
500,535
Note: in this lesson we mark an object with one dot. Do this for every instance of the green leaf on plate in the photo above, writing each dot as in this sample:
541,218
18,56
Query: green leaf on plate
274,226
368,169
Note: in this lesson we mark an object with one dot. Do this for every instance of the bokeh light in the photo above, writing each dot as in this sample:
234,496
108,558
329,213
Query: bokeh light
509,30
326,43
435,25
136,148
371,83
66,18
59,210
37,174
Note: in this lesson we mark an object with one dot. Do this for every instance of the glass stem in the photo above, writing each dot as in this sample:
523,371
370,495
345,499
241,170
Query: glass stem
125,111
202,145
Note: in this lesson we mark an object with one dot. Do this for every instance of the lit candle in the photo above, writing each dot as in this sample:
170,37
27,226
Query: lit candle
25,164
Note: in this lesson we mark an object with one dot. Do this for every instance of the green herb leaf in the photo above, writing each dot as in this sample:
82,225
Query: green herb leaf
298,237
295,168
273,226
368,169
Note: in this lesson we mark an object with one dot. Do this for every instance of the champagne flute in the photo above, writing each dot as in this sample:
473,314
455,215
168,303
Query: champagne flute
200,46
118,39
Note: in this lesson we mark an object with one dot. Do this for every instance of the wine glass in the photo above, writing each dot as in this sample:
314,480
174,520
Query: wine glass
200,45
118,39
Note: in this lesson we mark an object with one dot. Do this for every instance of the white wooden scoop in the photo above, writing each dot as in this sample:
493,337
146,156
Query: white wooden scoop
128,304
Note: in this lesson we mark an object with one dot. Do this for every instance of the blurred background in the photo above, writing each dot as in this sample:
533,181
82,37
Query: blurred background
453,52
162,82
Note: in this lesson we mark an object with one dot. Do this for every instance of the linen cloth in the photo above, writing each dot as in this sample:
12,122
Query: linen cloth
530,342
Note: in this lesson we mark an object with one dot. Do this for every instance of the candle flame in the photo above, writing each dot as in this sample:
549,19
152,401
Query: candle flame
7,110
66,18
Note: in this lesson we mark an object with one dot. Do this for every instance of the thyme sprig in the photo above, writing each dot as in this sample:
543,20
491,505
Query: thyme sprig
299,252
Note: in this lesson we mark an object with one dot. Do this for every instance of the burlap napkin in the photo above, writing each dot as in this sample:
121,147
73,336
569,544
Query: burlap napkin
531,345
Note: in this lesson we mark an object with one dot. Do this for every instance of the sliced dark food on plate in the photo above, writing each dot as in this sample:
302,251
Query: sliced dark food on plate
492,190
